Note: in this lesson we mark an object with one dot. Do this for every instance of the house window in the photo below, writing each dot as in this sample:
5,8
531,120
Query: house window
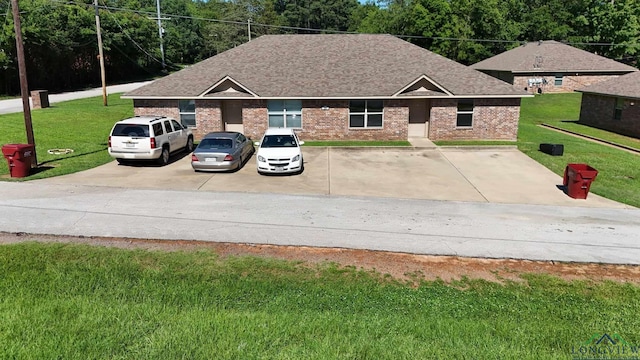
365,113
557,81
285,113
617,114
188,113
465,113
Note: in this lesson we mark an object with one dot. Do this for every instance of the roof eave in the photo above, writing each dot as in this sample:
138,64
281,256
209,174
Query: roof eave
444,96
608,94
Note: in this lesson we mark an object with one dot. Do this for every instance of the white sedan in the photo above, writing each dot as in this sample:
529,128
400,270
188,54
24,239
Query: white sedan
279,152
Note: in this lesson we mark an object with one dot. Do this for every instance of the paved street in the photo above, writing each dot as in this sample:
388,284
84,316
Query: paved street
535,232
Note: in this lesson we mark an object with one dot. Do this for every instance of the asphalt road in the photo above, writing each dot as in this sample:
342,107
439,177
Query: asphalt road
534,232
15,105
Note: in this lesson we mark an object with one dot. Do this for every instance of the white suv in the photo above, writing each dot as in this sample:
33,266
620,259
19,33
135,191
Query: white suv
279,152
148,138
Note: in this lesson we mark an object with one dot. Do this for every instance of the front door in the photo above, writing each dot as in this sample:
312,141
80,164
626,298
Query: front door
232,115
419,117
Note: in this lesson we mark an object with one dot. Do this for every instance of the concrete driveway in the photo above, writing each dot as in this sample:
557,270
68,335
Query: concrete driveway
503,175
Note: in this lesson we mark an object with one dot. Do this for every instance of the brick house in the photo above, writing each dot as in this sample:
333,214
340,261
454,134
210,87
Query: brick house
335,87
613,105
551,66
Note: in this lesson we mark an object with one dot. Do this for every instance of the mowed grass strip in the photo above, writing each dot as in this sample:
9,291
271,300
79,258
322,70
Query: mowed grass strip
81,125
355,143
618,170
83,302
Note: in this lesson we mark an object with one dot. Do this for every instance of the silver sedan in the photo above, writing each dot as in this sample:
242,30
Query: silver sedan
222,151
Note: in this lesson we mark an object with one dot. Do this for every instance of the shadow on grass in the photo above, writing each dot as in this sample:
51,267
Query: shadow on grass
70,157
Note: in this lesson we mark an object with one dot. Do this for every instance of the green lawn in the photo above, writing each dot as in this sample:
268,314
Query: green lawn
82,125
81,302
619,171
356,143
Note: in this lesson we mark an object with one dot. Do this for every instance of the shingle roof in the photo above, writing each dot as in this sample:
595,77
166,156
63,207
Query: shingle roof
627,86
325,66
550,56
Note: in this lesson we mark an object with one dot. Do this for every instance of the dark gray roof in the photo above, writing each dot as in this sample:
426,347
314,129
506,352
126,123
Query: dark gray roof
551,56
324,66
627,86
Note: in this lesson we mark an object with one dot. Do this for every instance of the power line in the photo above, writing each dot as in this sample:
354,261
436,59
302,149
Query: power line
244,23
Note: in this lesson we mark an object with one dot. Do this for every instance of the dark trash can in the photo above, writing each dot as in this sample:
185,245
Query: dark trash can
578,179
552,149
18,158
40,99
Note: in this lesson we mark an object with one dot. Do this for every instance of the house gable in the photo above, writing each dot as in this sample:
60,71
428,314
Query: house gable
423,86
228,87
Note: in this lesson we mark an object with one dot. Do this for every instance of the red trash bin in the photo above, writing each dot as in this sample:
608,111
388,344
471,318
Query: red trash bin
578,179
19,158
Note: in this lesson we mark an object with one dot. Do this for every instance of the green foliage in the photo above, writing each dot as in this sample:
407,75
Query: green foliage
62,36
82,302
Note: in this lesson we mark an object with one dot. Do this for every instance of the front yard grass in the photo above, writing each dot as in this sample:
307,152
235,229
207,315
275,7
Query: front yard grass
356,143
618,171
81,125
81,302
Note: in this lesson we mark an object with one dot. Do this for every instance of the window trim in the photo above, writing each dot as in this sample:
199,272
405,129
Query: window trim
366,114
180,112
284,114
617,109
465,112
558,78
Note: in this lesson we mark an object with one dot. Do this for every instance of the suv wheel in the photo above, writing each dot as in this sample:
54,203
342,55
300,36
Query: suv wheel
164,157
189,147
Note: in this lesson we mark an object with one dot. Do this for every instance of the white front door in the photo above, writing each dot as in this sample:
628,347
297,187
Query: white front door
232,115
419,118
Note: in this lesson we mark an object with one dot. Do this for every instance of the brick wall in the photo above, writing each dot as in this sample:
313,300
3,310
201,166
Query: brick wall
208,118
331,123
598,111
255,118
569,82
493,119
208,114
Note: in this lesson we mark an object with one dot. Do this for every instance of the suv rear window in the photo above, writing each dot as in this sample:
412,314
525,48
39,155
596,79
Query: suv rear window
133,130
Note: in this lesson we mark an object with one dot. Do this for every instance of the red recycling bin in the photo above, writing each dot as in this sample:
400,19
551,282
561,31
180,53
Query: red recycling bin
578,179
19,158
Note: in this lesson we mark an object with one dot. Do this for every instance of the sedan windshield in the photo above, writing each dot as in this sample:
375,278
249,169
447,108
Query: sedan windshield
216,144
278,141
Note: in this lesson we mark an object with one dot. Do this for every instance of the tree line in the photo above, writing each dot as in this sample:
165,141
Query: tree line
61,44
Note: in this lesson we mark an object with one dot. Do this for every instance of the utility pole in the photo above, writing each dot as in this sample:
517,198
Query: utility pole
24,86
249,28
101,55
160,31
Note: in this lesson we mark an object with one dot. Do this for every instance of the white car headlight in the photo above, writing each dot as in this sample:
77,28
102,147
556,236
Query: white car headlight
261,159
296,158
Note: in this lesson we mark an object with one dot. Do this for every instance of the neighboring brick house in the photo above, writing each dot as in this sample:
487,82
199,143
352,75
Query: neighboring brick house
335,87
613,105
551,66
